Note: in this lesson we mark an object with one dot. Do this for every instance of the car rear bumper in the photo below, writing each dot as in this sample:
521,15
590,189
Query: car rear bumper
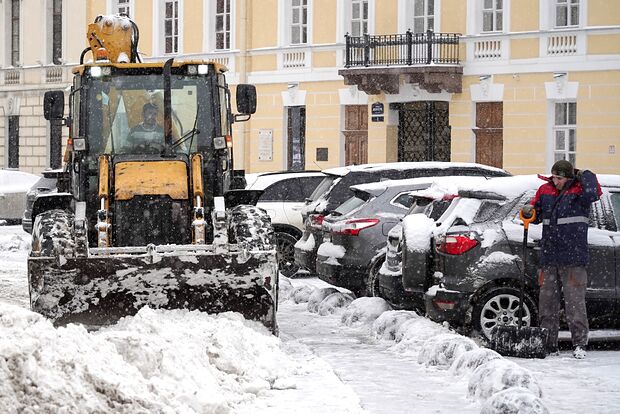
27,224
447,306
391,289
331,271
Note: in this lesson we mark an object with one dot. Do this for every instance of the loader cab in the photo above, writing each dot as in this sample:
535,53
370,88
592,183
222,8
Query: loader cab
108,109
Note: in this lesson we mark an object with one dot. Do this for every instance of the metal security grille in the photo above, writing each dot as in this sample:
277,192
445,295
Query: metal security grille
423,131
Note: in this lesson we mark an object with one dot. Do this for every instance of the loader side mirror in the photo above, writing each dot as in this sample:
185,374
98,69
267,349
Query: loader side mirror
246,99
54,105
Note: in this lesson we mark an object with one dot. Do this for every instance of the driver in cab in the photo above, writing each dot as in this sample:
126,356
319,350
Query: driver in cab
148,132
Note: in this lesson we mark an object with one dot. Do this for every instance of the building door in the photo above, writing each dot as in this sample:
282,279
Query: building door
296,138
355,134
489,133
423,131
13,150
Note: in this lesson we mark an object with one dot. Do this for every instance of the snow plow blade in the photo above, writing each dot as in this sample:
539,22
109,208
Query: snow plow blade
99,290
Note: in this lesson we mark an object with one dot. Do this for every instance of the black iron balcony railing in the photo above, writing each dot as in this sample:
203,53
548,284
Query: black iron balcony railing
402,49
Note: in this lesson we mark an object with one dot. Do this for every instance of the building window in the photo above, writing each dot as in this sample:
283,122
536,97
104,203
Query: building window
122,7
15,32
423,15
359,17
171,26
565,131
57,32
299,22
13,152
566,13
222,24
492,16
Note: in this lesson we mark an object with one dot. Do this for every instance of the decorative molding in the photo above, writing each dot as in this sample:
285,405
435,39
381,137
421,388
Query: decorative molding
352,96
412,92
487,91
293,96
561,90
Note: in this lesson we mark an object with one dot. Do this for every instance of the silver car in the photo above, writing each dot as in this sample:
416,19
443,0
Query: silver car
13,188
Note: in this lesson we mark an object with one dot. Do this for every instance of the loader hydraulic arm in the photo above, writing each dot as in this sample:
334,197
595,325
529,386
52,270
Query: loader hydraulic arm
113,38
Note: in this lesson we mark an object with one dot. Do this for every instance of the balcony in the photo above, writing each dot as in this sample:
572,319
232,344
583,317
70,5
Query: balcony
379,63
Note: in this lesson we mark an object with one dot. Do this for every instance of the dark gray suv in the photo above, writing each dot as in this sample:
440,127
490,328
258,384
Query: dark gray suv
334,190
474,262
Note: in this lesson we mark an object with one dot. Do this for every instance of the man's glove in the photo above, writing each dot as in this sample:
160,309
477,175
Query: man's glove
527,211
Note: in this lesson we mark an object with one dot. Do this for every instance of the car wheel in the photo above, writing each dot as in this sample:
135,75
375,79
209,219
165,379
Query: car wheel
372,285
285,245
500,306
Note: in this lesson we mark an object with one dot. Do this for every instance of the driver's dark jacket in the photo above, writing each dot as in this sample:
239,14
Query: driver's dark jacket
565,219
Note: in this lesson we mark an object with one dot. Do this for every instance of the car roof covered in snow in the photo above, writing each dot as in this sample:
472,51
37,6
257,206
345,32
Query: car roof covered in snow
260,181
341,171
450,184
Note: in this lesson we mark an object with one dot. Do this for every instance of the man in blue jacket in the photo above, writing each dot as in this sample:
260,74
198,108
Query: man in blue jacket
563,206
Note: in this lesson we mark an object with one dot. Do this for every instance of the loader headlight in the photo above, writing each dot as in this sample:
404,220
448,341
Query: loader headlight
98,71
219,142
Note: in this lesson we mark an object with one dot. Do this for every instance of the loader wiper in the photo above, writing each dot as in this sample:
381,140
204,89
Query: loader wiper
189,134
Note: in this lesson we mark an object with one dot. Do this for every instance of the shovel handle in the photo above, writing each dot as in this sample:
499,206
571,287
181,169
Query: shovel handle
527,220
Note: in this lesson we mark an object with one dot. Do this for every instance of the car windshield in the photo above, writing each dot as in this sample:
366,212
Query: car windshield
126,113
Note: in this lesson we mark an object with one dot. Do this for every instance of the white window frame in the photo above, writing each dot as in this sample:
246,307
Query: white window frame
209,26
159,44
226,29
343,24
285,16
359,20
405,16
494,10
298,9
565,129
547,13
9,33
425,16
568,4
474,17
112,7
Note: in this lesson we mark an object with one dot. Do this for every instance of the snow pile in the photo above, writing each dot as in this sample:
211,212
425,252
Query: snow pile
417,230
14,242
317,296
301,294
305,245
468,361
334,303
442,350
514,401
500,374
388,323
500,385
364,311
331,250
157,361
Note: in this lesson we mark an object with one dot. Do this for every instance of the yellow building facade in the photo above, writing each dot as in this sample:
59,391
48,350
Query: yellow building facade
512,83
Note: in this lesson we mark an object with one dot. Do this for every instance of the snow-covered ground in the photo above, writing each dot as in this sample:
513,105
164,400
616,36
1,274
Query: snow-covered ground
334,355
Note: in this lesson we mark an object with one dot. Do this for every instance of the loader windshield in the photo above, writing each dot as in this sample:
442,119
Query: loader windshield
126,114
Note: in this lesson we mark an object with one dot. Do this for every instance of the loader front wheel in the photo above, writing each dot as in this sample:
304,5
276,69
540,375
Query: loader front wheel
52,233
251,225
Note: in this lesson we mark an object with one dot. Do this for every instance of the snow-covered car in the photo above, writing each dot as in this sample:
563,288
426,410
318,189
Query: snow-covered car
390,283
335,189
47,184
13,188
354,235
283,197
473,260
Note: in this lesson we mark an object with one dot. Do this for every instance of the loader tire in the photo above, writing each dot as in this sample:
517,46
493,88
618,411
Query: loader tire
251,225
52,234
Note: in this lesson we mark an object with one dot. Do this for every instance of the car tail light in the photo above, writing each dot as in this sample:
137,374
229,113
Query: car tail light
444,304
456,244
316,220
353,227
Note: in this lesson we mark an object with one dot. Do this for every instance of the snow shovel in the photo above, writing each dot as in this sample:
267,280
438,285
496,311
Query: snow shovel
518,340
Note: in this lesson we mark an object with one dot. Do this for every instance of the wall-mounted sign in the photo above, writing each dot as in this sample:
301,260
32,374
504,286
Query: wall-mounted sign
376,119
376,108
265,144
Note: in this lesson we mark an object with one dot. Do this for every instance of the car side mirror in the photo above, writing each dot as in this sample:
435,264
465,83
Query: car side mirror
54,105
